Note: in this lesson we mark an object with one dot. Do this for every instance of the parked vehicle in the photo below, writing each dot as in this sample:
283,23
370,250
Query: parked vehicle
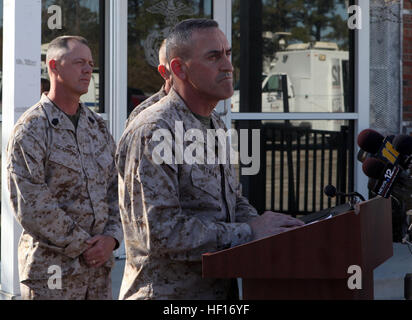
316,82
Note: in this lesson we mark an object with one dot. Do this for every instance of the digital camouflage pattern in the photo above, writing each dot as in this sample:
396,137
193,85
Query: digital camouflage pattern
145,104
93,284
173,213
63,188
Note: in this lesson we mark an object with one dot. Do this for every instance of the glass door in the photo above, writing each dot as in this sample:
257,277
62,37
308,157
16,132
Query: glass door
149,23
294,82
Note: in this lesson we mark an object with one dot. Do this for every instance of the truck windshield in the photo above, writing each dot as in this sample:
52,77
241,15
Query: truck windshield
274,84
237,85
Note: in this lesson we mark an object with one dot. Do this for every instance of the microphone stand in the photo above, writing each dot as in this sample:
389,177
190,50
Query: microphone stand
354,198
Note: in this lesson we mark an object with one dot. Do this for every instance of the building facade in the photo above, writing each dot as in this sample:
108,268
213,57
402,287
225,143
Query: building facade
125,34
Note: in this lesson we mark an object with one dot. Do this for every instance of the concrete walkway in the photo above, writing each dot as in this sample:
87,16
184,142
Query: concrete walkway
388,277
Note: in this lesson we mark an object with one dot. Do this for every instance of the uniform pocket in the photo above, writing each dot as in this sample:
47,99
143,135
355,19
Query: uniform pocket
66,157
63,173
104,161
103,157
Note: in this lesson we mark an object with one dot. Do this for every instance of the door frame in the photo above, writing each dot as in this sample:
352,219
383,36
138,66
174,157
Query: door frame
222,13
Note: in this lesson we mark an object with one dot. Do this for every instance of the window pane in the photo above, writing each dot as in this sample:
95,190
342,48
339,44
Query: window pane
295,164
149,22
308,42
82,18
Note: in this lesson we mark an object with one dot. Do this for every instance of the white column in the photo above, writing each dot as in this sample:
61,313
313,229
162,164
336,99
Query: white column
362,104
116,66
222,13
21,89
116,73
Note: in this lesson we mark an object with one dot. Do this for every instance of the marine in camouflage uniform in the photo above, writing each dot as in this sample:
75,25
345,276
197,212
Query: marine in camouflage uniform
163,70
145,104
173,213
63,190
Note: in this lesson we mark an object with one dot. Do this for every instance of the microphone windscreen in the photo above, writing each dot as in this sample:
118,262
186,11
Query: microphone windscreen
330,191
370,140
373,168
403,144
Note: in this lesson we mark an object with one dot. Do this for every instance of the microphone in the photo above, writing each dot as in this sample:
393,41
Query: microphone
384,174
378,146
403,144
370,140
331,192
362,155
373,167
386,162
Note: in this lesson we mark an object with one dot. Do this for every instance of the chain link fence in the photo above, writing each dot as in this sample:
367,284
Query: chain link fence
385,66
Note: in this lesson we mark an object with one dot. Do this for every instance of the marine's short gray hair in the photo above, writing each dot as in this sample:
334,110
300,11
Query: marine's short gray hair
59,47
179,41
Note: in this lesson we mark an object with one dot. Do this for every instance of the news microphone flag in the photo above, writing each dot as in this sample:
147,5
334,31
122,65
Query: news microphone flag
385,174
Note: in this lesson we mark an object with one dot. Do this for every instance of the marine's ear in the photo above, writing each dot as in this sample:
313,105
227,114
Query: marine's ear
164,72
178,68
52,67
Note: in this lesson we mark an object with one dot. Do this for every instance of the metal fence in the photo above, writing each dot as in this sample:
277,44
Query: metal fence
297,163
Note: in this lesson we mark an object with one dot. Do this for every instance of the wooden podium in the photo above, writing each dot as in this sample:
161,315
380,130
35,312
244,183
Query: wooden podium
312,261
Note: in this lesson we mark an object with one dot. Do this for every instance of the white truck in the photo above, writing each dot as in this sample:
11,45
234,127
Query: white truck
315,82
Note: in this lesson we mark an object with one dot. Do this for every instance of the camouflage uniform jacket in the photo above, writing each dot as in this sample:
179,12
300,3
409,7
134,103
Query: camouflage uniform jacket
172,213
63,188
145,104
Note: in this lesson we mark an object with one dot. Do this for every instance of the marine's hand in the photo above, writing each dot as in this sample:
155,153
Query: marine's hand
271,223
100,250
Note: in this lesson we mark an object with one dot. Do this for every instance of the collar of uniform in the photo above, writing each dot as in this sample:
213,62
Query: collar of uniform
87,119
162,90
189,119
193,122
160,94
57,117
217,121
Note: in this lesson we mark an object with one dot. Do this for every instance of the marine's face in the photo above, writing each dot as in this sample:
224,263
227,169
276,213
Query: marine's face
75,68
209,69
